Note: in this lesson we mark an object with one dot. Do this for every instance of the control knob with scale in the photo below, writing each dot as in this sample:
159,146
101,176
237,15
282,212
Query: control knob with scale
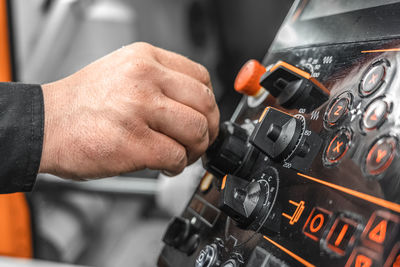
284,138
250,203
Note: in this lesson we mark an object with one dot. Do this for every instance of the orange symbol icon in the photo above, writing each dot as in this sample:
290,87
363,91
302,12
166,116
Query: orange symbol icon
363,261
297,213
338,145
373,78
316,227
339,108
380,155
378,234
396,263
341,235
373,117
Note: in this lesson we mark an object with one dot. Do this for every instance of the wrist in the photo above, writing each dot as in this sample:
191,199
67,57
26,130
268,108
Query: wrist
49,159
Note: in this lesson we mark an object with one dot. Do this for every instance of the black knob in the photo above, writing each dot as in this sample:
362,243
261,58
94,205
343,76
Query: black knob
242,200
182,235
293,87
278,135
208,257
230,153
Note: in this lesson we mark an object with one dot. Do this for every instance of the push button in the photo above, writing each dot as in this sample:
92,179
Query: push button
372,80
341,235
316,222
338,110
375,114
338,146
381,229
380,156
362,257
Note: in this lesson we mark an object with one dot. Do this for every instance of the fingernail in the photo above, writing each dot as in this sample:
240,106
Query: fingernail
167,173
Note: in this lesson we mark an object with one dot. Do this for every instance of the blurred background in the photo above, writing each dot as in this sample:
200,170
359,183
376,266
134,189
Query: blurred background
120,221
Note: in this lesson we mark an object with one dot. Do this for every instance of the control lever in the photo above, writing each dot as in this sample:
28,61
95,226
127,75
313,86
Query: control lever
291,86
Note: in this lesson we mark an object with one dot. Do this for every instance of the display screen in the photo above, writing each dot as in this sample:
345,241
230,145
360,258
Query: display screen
316,22
323,8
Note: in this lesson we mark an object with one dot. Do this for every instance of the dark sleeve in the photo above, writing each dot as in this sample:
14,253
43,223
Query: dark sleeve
21,135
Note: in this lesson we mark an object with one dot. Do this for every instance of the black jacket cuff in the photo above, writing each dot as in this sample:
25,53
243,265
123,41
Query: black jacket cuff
21,135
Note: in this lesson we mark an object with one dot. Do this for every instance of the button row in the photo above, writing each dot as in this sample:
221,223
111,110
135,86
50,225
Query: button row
380,156
376,237
341,236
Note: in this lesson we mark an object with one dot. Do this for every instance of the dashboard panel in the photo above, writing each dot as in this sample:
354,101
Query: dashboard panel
306,173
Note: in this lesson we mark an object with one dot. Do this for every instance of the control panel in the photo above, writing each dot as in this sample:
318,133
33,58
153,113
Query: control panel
307,171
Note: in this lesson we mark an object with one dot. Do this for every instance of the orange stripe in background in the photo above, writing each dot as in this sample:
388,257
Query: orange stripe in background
291,254
5,60
375,200
381,50
15,217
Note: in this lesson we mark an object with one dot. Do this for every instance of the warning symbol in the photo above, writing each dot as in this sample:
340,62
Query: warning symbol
379,225
378,234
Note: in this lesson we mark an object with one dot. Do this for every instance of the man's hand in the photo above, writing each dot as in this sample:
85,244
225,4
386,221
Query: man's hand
139,107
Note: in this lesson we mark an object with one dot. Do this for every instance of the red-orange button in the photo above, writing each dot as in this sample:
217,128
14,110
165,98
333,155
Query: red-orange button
380,156
316,222
375,114
248,79
341,235
362,257
338,110
381,228
338,146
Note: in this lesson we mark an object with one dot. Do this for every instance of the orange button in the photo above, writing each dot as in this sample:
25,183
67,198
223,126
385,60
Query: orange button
380,156
248,79
316,222
381,228
338,146
362,257
341,235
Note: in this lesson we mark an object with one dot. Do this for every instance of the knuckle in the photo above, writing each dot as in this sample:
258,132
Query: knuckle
142,66
204,75
200,129
141,46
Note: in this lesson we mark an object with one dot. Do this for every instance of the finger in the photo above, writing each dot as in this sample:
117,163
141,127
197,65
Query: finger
181,123
194,94
183,65
164,153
